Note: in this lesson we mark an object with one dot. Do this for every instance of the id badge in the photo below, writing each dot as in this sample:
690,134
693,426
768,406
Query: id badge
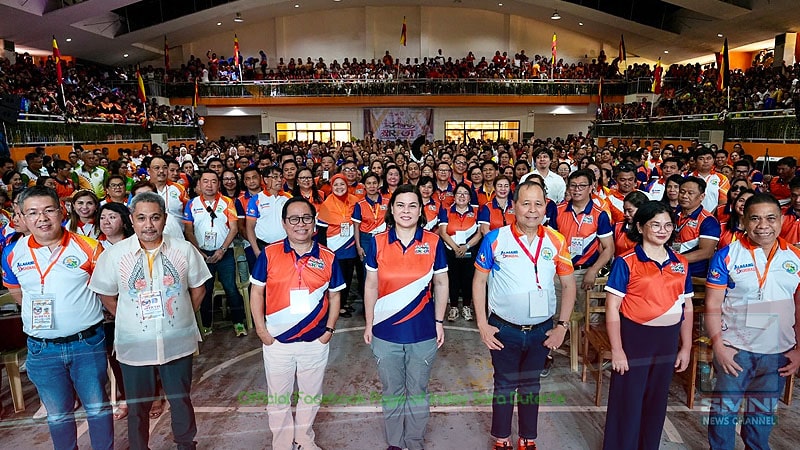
344,230
576,246
42,311
676,247
461,237
539,303
299,301
151,304
758,315
210,240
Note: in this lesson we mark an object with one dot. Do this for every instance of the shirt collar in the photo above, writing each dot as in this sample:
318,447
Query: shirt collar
132,244
750,245
644,258
64,240
393,235
517,233
287,248
586,210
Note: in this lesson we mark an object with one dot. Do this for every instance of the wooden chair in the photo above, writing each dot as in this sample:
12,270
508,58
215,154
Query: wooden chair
11,361
242,285
595,337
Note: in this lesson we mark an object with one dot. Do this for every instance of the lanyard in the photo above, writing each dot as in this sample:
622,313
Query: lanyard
533,260
578,222
502,211
374,209
53,262
299,268
763,278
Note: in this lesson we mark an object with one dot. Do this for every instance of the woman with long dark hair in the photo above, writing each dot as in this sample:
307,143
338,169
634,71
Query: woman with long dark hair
733,229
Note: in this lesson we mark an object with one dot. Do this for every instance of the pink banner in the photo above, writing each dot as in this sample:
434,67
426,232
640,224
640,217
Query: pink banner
390,124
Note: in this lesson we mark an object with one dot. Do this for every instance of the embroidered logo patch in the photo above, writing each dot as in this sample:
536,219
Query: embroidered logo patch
423,249
714,274
315,263
790,267
547,254
70,261
678,268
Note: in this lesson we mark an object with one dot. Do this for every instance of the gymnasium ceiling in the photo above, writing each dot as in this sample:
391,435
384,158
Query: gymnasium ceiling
104,30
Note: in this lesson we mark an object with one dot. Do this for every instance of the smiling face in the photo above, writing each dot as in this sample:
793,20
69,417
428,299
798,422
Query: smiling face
42,217
339,187
302,232
85,207
406,210
738,206
461,195
305,179
762,222
529,208
502,188
657,230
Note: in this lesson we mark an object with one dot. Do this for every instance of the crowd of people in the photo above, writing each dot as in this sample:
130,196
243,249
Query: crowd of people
316,218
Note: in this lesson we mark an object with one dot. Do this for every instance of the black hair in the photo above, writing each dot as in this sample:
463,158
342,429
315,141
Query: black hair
761,198
587,173
674,178
735,219
406,189
787,161
294,200
644,214
701,183
124,214
315,195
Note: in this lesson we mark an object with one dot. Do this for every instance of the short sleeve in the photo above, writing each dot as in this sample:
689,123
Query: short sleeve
443,219
564,260
230,212
710,229
371,257
552,220
259,274
604,228
440,263
252,208
484,216
484,260
337,282
105,282
240,209
619,277
187,213
9,277
199,272
718,275
357,213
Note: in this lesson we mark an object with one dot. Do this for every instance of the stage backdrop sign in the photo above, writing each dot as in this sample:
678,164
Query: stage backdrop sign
389,124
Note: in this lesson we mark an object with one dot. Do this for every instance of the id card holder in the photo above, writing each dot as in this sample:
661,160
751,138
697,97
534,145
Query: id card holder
42,311
460,237
576,246
676,247
210,240
539,303
299,301
344,230
151,305
758,315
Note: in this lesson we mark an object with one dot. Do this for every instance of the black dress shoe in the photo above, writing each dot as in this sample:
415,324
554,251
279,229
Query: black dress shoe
346,314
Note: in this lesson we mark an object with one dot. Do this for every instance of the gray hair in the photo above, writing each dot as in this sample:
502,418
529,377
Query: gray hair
149,197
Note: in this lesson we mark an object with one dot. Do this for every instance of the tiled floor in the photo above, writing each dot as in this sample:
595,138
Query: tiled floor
229,390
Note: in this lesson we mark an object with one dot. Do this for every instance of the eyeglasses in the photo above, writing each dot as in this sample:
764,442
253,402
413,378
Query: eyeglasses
578,187
229,179
274,177
304,178
349,169
116,185
655,226
737,188
49,212
306,219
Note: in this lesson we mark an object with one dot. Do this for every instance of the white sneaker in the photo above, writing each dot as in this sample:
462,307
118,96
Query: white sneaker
466,311
453,314
40,413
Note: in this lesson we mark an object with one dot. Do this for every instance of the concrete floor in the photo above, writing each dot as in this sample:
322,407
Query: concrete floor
229,387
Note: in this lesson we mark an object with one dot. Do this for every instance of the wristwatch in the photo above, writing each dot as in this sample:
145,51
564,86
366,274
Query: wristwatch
330,329
563,323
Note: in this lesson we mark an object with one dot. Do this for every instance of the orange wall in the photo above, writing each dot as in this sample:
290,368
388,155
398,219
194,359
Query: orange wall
740,60
18,153
751,148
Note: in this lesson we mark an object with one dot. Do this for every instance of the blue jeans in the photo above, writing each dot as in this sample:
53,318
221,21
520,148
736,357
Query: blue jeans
758,387
60,370
517,366
227,277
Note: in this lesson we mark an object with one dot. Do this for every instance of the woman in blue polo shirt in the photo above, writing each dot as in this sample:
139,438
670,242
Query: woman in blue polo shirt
644,327
404,324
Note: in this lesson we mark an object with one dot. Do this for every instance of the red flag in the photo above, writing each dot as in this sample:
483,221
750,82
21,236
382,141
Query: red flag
140,84
235,50
657,77
166,54
57,60
403,33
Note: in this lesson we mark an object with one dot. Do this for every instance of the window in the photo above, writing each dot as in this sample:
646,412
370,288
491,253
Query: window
482,129
312,131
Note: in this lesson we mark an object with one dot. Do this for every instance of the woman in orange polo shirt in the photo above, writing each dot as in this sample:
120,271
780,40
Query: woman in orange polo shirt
632,202
430,204
733,229
458,228
499,211
335,222
306,188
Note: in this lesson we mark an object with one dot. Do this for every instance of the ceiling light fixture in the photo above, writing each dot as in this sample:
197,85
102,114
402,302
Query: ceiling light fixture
296,6
555,16
219,24
68,39
238,18
499,4
719,35
125,55
580,24
666,52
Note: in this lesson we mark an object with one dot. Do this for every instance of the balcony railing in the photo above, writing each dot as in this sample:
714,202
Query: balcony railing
778,125
346,88
33,129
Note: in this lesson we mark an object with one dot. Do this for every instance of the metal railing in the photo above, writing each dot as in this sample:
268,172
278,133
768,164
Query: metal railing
780,125
42,129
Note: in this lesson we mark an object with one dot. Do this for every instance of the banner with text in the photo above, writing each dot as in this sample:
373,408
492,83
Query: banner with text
389,124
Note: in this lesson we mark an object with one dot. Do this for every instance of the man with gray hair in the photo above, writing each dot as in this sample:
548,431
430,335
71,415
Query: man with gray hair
153,284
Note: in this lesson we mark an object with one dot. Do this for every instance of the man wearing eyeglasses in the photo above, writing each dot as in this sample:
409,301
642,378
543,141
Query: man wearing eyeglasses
295,291
48,274
263,214
352,177
211,225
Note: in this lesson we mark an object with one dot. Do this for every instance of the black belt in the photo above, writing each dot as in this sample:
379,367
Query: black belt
87,333
581,266
520,327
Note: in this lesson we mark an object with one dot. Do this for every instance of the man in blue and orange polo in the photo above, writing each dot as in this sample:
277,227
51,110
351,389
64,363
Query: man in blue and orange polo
698,230
295,292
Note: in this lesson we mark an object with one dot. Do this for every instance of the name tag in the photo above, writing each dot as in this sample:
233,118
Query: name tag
539,303
576,246
42,311
210,240
151,305
461,237
345,230
299,301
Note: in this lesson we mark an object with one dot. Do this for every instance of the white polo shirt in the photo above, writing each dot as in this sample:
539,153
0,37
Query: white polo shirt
74,307
177,266
266,210
752,321
174,197
512,279
210,233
